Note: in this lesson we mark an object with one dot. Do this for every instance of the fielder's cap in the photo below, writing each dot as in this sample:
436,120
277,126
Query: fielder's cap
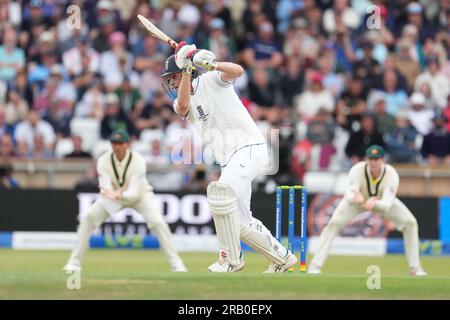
119,136
375,152
111,98
414,8
417,98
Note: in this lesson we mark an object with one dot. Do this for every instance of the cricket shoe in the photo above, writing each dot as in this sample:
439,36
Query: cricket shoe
224,265
313,269
417,272
178,267
71,267
291,260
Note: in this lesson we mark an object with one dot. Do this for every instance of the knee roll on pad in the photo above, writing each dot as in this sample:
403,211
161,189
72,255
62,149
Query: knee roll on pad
221,198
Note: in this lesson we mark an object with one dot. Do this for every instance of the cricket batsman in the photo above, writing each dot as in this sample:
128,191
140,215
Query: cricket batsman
373,185
210,103
123,184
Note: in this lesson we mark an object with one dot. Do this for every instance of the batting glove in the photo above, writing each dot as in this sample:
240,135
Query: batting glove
204,59
182,55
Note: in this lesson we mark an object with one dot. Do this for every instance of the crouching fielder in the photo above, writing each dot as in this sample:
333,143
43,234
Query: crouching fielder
123,184
372,187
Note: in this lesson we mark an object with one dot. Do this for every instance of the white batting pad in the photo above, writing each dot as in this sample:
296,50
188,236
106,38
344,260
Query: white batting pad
258,237
223,205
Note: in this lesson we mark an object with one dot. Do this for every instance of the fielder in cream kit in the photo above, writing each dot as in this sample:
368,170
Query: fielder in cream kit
210,103
123,184
372,186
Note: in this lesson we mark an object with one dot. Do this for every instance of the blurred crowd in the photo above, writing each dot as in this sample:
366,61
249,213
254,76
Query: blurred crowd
334,76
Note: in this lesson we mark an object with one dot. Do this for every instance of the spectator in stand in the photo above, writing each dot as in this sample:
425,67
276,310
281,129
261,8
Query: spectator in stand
115,118
12,58
49,96
157,114
130,99
436,144
106,26
262,93
291,82
396,99
112,62
59,116
33,25
367,68
5,128
377,105
218,42
389,66
7,148
351,104
78,151
360,140
263,51
332,81
312,100
73,58
340,10
256,11
406,65
430,103
93,101
440,85
40,150
419,115
144,51
416,18
16,108
320,132
401,141
27,130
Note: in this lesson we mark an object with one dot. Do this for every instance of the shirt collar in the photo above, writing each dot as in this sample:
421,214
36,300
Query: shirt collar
124,160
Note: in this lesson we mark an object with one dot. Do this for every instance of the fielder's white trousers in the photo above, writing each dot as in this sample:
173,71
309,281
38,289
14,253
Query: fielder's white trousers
146,207
399,214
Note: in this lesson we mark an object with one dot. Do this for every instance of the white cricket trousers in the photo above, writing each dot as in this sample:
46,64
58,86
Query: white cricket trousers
146,207
243,167
399,214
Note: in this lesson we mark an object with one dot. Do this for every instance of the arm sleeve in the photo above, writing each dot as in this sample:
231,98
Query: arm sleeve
104,180
353,184
389,194
132,192
215,77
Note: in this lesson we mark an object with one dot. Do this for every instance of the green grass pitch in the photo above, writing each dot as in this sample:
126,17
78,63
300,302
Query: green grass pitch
143,274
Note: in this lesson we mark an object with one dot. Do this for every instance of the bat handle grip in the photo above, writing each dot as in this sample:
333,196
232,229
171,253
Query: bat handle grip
172,43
